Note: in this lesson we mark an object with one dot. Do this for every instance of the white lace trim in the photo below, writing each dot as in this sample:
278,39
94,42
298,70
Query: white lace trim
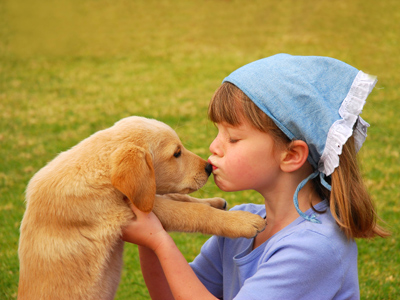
342,129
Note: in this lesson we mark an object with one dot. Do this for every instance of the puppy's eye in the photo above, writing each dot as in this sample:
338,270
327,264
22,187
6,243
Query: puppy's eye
177,154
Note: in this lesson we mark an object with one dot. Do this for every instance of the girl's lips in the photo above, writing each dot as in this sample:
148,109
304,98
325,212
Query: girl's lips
213,166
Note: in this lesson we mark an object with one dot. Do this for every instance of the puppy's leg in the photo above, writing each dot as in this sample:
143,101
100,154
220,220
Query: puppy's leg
214,202
197,217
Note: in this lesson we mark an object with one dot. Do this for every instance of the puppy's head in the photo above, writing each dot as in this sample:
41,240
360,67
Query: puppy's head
151,159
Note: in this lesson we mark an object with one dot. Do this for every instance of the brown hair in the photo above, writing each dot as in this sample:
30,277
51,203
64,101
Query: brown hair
230,105
349,201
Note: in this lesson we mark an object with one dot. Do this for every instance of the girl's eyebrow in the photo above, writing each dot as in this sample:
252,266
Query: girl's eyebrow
238,128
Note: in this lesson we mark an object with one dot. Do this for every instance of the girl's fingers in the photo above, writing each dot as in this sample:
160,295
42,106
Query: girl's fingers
136,210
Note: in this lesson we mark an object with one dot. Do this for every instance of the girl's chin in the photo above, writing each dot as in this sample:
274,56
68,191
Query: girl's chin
224,187
219,184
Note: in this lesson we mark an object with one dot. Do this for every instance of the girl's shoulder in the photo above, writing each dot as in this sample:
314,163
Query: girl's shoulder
320,238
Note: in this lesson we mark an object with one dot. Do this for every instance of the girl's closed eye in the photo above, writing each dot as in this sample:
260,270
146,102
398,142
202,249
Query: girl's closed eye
233,140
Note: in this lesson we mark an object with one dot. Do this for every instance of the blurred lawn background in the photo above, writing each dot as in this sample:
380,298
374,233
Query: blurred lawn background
70,68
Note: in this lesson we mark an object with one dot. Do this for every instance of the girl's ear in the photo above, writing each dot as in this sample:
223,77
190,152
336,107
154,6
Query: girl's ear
132,173
294,157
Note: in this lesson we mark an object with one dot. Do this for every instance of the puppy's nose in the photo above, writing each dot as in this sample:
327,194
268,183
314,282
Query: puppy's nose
209,169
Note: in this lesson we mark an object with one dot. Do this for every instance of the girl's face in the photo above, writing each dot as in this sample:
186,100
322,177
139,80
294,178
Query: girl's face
244,158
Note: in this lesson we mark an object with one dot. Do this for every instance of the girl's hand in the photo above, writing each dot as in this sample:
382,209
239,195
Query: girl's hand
164,267
144,230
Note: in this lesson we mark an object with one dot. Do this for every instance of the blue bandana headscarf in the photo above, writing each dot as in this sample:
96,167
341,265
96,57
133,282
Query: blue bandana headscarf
310,98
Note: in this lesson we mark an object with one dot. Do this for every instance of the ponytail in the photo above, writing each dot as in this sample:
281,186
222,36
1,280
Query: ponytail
350,203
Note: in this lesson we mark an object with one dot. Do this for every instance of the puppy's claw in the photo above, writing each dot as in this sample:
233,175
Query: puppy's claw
265,226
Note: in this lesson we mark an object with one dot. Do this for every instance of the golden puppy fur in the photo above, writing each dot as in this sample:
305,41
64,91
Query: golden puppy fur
70,246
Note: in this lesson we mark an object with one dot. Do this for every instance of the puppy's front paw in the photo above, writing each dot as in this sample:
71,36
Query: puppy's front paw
245,224
217,202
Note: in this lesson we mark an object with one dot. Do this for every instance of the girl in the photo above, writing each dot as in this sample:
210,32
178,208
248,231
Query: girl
284,124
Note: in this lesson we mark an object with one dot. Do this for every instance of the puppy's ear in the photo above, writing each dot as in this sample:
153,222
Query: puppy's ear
132,173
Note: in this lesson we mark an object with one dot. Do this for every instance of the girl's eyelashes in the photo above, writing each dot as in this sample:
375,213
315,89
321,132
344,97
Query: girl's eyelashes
233,141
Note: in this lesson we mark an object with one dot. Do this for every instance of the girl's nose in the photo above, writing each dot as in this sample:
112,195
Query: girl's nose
215,147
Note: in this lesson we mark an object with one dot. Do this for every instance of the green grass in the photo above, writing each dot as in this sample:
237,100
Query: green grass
70,68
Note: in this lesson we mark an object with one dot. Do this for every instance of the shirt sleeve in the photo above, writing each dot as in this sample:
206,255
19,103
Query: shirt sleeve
208,266
303,265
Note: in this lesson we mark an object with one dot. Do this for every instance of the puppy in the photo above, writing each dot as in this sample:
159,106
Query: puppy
70,246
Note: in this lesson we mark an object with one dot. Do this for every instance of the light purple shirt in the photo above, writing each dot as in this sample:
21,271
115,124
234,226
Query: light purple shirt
302,261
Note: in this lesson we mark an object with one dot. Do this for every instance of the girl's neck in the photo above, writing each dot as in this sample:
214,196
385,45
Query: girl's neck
281,212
